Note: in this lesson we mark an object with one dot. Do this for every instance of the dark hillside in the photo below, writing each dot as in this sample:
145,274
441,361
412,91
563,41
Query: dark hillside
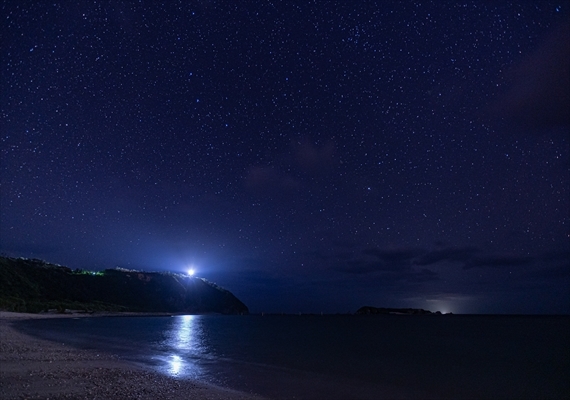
34,285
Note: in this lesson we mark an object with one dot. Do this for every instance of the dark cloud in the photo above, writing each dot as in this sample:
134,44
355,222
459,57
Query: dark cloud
375,259
267,180
344,244
359,267
317,255
471,257
395,258
462,254
539,96
289,169
500,261
315,159
344,255
553,266
563,256
559,272
387,266
381,260
423,275
383,273
32,249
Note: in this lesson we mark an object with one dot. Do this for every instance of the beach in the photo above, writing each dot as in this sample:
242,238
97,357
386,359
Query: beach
32,368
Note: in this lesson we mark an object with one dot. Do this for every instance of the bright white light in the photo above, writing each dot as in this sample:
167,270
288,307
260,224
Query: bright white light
191,271
175,364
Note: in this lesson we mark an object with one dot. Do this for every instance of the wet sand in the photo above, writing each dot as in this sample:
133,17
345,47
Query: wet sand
32,368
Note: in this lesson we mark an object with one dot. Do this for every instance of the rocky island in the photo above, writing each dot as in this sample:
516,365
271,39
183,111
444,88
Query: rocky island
31,285
367,310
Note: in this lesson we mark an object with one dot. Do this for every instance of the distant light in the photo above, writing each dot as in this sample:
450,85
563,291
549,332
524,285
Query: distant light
191,271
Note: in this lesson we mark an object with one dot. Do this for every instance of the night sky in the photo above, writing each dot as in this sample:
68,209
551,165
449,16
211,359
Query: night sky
307,156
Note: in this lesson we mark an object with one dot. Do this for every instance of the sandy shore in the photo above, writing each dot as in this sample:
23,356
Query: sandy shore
32,368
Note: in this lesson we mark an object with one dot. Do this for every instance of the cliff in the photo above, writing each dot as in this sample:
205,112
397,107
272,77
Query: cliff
29,285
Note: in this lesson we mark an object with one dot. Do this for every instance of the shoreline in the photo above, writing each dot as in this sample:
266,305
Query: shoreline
34,368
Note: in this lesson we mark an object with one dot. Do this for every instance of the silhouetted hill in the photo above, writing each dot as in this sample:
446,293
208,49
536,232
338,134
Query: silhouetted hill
30,285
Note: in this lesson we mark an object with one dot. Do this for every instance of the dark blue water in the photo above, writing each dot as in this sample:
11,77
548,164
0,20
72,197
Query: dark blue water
339,357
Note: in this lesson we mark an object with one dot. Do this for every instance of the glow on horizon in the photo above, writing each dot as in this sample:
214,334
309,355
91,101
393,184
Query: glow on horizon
442,306
191,272
456,304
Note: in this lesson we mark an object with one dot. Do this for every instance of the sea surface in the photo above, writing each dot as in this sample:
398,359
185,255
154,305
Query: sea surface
340,356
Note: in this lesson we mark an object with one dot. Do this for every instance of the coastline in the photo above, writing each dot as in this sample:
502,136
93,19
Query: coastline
33,368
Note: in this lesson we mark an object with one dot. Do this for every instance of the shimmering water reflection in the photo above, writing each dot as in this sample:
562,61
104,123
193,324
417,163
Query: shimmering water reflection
184,344
176,365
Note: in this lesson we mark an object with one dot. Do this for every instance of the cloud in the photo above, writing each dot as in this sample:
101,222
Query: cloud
267,180
559,272
471,257
453,254
376,260
500,261
554,266
563,256
423,275
315,159
539,96
358,267
289,170
32,249
393,257
388,265
346,244
388,273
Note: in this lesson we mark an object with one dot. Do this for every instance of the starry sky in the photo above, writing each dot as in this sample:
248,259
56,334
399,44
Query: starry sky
308,156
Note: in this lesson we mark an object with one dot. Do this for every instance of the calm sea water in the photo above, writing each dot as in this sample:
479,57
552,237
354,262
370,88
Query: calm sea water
340,357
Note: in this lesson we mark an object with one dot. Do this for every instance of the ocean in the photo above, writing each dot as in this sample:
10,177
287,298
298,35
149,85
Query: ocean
340,356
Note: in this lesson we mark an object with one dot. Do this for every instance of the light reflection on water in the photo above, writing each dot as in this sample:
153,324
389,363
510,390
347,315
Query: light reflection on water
176,364
183,343
184,334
